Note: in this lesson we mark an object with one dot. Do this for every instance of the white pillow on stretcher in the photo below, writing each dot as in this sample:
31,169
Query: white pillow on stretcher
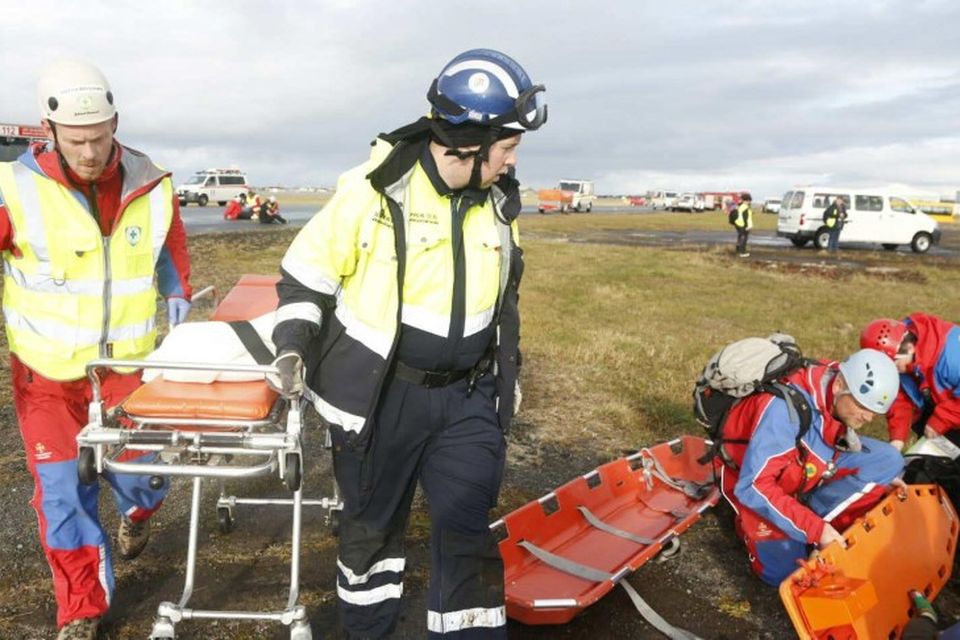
208,343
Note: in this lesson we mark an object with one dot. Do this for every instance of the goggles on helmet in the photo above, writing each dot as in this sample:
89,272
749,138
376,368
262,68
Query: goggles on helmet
529,109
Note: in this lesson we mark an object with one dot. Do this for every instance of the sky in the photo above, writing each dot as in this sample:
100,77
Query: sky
713,95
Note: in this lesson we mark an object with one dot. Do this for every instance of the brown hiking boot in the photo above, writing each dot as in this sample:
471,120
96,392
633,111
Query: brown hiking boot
132,537
81,629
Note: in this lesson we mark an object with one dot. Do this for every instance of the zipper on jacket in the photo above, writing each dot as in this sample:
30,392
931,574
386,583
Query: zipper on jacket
105,350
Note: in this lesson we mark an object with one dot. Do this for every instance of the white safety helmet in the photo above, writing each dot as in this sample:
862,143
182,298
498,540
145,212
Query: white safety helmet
872,379
273,198
74,93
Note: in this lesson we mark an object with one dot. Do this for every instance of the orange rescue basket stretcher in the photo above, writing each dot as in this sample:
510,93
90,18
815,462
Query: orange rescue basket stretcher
223,430
566,550
861,592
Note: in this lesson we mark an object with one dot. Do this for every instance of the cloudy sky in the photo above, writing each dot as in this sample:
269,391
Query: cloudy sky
710,95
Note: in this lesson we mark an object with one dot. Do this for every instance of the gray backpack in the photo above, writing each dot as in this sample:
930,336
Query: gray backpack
741,369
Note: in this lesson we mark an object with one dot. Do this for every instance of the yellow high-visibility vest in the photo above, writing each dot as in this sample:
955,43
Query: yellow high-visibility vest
74,295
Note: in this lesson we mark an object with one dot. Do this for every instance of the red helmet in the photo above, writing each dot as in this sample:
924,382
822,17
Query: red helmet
883,335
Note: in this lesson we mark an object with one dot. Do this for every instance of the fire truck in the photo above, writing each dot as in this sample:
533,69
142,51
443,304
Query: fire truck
15,138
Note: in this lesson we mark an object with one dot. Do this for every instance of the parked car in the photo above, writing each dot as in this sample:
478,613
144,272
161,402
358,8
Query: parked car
217,185
689,202
771,205
873,216
664,199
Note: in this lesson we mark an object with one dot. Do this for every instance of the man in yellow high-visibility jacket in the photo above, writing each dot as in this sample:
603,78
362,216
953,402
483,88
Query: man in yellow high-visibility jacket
85,226
743,221
401,298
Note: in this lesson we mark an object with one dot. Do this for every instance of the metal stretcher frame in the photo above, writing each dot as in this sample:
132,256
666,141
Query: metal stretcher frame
207,441
223,430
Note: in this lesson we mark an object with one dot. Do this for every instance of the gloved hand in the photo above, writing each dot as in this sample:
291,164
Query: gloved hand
177,310
289,382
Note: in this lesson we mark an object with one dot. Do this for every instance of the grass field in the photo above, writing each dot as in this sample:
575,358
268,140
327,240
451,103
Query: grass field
613,338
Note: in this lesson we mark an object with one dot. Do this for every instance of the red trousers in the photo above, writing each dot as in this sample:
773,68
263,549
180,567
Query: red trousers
51,414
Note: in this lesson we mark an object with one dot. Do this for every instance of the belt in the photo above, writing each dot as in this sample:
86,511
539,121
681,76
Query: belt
426,378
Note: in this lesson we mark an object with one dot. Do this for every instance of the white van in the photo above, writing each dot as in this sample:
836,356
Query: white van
873,216
664,199
218,185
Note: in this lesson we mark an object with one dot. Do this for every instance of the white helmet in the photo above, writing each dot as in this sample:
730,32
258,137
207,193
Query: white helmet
273,198
74,93
872,379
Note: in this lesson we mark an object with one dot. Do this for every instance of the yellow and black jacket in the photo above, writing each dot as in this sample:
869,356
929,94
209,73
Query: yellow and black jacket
377,258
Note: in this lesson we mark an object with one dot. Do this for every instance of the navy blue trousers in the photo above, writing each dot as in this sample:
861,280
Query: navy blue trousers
452,444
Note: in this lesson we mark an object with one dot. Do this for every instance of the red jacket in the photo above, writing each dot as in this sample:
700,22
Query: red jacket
771,473
935,370
173,265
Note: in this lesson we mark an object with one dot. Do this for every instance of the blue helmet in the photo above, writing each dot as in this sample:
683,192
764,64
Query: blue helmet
489,88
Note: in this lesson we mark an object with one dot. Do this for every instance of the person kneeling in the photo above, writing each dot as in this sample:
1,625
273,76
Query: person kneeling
794,491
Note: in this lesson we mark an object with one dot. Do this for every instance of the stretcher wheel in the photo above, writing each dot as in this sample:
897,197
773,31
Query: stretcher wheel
225,519
333,521
162,629
87,465
291,474
301,631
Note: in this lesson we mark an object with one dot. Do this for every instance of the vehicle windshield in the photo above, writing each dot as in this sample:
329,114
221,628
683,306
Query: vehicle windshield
196,180
570,186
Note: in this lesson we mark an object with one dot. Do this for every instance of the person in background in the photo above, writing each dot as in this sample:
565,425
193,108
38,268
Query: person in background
835,216
235,207
252,210
270,212
400,296
90,232
743,221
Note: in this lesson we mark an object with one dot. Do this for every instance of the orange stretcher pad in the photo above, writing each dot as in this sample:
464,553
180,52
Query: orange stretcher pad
906,542
566,550
251,297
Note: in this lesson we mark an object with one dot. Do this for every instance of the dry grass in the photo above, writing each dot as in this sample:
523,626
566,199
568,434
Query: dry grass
614,336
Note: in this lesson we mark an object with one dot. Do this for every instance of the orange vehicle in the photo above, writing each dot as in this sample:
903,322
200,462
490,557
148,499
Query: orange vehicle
570,195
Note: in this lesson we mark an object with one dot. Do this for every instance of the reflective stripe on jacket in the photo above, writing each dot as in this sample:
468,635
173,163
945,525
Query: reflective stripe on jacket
70,294
345,270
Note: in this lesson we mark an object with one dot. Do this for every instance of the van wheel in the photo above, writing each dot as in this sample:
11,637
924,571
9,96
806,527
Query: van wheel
921,242
577,208
589,207
202,200
822,239
889,247
540,209
799,242
183,203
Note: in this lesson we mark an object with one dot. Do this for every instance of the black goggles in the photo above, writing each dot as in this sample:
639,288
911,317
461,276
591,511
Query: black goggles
529,109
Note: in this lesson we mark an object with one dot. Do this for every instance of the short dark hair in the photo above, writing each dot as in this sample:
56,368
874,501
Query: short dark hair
746,196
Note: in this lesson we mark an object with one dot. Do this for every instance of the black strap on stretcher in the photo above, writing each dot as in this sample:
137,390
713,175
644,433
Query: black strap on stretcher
252,341
598,575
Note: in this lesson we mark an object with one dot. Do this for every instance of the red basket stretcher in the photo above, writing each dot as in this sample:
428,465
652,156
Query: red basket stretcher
223,430
566,550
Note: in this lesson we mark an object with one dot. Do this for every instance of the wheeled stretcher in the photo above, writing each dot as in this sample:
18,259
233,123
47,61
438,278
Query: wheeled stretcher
223,430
